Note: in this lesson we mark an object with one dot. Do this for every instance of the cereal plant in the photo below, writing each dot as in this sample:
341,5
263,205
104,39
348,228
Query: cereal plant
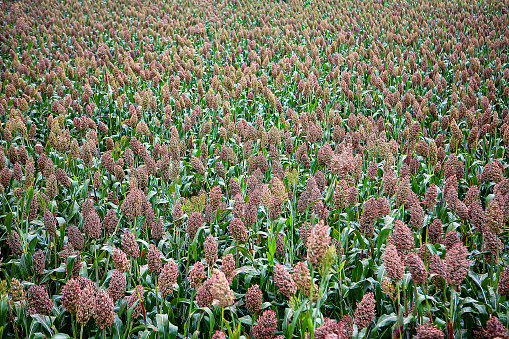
324,169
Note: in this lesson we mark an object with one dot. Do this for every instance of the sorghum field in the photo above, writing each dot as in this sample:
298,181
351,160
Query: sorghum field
254,169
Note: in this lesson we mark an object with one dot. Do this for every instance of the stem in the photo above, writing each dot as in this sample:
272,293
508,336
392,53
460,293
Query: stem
497,297
310,309
222,318
427,303
128,330
189,313
138,275
399,297
132,276
157,298
451,313
96,264
416,298
311,287
73,326
12,320
142,307
404,295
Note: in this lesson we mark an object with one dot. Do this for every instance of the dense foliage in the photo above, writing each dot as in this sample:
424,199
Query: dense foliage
309,169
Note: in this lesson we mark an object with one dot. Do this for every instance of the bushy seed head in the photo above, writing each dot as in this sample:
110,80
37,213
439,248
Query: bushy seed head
284,281
210,250
15,243
393,263
39,300
117,285
203,296
130,245
429,331
265,326
196,275
168,277
154,259
456,264
38,262
138,295
416,267
365,311
120,260
318,243
71,295
50,223
16,291
254,299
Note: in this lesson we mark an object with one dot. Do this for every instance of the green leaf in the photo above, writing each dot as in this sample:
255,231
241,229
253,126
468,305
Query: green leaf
382,237
4,310
44,321
8,222
247,320
289,327
165,328
25,265
69,265
60,336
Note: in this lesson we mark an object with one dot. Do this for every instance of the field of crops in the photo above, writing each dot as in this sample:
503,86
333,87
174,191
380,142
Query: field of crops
254,169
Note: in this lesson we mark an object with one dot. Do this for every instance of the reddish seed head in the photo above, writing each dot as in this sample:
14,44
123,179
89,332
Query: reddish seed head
266,325
365,311
253,299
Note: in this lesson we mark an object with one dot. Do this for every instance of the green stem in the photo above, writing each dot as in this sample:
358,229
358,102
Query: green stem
451,307
189,313
495,281
73,326
128,330
142,307
399,296
311,273
131,276
427,303
138,275
404,295
157,297
223,321
310,309
13,322
416,310
55,248
96,263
